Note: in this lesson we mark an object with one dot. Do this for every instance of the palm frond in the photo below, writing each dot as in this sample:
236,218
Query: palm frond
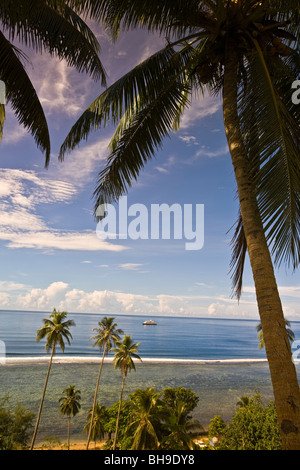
138,143
275,154
238,256
155,15
136,88
53,26
22,96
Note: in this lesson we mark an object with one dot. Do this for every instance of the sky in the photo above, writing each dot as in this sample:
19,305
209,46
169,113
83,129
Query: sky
50,253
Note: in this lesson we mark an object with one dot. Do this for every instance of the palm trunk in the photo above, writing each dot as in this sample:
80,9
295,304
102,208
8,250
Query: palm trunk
95,400
69,421
119,411
278,350
42,399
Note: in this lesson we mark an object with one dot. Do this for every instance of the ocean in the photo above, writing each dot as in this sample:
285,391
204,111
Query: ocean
218,359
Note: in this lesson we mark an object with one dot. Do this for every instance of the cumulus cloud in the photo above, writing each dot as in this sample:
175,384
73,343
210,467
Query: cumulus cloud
61,295
42,299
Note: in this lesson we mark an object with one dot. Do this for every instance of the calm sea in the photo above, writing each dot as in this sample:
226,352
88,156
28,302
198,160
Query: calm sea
186,338
226,345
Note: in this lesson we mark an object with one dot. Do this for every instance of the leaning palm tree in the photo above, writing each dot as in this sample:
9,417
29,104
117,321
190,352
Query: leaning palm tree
70,405
146,415
107,335
96,422
247,52
43,25
125,352
56,331
290,334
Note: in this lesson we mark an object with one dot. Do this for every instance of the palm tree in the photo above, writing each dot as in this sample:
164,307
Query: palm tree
146,414
248,53
181,429
107,335
43,25
125,351
96,422
243,401
290,334
56,331
70,405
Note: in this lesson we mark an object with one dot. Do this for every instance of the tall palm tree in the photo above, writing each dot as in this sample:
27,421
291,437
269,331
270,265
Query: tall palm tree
56,331
247,52
125,352
107,335
43,25
290,334
146,415
70,405
96,422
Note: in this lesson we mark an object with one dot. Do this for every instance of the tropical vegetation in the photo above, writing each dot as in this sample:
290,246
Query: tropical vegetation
56,331
15,425
125,352
95,426
147,419
148,422
107,335
260,336
70,405
253,427
246,52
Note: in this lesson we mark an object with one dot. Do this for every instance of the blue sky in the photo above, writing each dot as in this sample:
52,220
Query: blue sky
50,253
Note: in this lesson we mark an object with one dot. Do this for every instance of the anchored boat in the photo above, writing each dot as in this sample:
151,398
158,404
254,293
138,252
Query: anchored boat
149,322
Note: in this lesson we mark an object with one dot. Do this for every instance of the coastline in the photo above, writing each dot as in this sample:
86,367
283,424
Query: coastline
19,360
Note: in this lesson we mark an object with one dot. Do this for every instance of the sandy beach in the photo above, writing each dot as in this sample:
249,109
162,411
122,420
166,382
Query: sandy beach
74,445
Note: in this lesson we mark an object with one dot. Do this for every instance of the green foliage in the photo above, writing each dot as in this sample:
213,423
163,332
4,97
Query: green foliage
100,418
15,426
253,427
70,401
154,420
124,441
172,396
55,330
217,428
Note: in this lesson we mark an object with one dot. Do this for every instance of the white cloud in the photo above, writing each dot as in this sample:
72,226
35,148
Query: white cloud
60,88
284,291
8,286
5,300
58,240
201,107
43,299
22,227
130,266
189,139
204,151
64,297
82,164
